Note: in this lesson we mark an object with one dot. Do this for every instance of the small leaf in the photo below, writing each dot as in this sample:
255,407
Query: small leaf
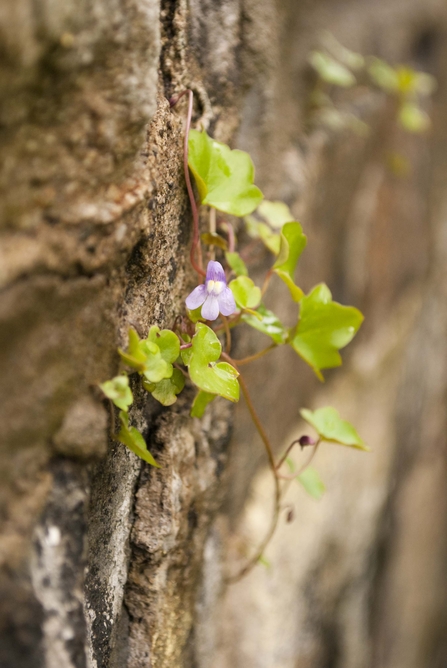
201,401
269,324
236,263
351,59
131,437
257,230
246,293
213,239
134,357
330,427
210,376
275,213
156,368
312,482
384,75
413,119
145,356
224,177
330,70
166,390
167,342
293,242
323,329
195,315
118,391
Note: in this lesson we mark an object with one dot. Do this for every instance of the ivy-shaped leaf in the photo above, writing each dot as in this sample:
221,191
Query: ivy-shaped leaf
224,177
323,329
268,324
293,242
213,239
118,391
257,230
152,357
245,292
383,75
201,401
312,483
131,437
236,263
205,372
275,213
135,357
330,70
166,390
330,427
413,119
167,342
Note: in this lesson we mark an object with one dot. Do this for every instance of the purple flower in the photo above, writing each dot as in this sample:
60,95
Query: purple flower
213,294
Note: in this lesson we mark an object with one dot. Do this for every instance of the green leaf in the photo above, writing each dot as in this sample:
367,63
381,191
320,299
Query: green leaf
195,315
186,355
167,342
413,119
330,70
245,292
213,239
208,374
201,401
384,75
275,213
224,177
351,59
269,324
257,230
312,482
236,263
156,368
166,390
118,391
146,357
330,427
323,329
293,242
134,357
131,437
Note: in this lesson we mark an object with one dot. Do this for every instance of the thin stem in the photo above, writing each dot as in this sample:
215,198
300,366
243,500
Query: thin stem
228,228
177,366
184,346
227,335
212,225
266,281
195,247
232,322
254,416
293,443
256,356
292,476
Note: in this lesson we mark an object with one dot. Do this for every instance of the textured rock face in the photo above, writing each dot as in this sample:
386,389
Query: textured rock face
104,562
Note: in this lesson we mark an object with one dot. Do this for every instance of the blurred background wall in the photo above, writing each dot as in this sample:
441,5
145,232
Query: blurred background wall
107,563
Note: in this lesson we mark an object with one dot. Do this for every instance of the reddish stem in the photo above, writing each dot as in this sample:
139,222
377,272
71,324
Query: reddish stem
195,247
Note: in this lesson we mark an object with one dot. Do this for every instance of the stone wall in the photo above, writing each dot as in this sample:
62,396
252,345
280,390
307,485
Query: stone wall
105,562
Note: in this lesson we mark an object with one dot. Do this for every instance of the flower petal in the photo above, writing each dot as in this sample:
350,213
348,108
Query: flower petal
210,309
215,272
196,297
227,305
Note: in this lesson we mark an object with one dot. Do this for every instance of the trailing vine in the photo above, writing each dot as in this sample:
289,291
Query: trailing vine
226,297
